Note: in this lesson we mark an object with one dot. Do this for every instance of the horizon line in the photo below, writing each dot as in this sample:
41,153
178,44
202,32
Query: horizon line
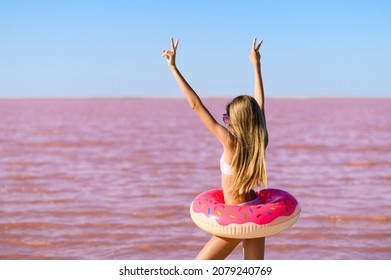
180,97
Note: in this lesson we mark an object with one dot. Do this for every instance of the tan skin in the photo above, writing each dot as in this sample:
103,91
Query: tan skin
218,247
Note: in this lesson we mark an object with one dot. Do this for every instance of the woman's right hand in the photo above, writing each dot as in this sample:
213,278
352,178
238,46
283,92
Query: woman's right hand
170,55
255,56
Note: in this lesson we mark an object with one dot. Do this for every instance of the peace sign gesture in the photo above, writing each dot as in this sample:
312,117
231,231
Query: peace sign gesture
255,56
170,55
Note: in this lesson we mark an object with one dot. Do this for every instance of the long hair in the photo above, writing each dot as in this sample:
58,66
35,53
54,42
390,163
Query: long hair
248,127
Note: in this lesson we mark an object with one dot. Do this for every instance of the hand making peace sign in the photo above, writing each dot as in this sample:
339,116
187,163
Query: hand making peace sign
170,55
255,56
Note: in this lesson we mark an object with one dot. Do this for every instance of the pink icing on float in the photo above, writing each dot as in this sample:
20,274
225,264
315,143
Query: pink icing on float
277,211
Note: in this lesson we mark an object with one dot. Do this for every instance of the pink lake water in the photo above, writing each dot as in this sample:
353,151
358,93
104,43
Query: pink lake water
114,178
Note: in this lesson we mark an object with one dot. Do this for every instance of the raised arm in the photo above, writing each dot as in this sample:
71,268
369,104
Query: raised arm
219,131
255,58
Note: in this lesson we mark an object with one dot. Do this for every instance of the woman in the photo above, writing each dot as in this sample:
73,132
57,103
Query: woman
244,142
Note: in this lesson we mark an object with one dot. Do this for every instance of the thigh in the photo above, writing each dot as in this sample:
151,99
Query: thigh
254,249
217,248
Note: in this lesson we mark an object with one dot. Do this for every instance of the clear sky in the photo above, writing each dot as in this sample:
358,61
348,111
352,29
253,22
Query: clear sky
112,48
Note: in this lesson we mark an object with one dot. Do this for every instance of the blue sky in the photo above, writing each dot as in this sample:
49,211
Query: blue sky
112,48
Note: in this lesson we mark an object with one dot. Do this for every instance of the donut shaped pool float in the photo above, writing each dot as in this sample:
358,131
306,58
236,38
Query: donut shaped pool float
277,210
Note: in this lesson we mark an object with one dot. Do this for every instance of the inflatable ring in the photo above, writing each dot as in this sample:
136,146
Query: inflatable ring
277,211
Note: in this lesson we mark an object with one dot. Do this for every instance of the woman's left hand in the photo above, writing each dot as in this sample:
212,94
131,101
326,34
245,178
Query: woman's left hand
170,55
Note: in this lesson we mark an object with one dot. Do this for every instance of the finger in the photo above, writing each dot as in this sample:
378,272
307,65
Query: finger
254,42
259,45
172,44
166,53
176,44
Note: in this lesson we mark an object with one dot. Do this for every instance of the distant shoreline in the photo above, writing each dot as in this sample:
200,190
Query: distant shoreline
203,97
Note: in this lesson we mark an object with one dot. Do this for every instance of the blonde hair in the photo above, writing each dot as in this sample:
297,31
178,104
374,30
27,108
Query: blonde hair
248,127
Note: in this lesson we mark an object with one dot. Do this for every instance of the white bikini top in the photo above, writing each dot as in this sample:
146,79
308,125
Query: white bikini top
225,168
